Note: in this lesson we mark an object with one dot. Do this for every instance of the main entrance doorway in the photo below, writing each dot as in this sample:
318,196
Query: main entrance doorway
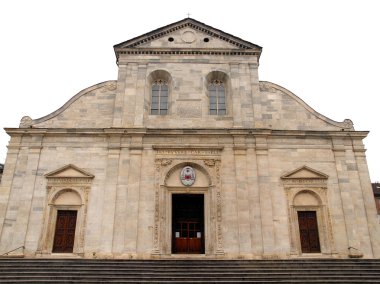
65,231
309,235
188,223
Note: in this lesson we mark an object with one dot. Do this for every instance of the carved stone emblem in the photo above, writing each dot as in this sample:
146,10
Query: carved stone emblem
187,176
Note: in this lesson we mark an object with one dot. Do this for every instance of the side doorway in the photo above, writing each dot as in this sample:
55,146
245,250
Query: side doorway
309,235
64,235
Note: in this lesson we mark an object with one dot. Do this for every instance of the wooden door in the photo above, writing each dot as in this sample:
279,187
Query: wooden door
188,237
65,231
309,235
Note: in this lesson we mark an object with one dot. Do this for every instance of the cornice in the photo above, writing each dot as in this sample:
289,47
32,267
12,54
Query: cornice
160,51
185,131
132,46
187,23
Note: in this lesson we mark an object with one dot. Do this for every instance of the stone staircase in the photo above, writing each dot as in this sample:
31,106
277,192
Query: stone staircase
189,271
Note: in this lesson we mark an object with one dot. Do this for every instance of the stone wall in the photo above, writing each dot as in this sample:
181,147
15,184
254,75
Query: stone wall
255,208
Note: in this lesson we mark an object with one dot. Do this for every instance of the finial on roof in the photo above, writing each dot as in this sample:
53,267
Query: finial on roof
188,14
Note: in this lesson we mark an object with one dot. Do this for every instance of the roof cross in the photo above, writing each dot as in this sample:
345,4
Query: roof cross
188,14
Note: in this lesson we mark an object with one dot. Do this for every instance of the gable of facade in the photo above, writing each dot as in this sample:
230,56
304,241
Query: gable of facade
187,152
188,57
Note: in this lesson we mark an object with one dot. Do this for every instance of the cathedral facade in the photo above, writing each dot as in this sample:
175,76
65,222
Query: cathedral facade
187,154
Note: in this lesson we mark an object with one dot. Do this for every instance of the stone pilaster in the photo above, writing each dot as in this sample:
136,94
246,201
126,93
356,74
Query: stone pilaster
254,199
25,200
7,180
367,193
140,95
129,95
133,195
121,205
339,149
109,198
120,96
146,208
256,96
243,216
230,209
266,205
236,96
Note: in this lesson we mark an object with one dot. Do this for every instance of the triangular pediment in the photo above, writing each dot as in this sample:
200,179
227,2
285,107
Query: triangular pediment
69,171
305,172
187,34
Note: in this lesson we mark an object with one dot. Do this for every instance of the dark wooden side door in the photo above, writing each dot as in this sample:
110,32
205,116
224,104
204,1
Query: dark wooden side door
65,231
309,235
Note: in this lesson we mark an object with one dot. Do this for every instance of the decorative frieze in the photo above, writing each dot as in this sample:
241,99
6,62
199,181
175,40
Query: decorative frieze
188,151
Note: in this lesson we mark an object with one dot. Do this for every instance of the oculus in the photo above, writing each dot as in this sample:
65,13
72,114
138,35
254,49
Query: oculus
187,176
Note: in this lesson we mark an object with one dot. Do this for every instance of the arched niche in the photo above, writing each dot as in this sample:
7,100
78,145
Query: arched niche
68,197
306,198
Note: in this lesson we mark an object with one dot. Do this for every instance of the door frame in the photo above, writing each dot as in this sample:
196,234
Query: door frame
208,183
207,232
203,237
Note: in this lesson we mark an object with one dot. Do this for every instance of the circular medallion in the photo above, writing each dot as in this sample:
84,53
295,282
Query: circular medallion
188,36
187,176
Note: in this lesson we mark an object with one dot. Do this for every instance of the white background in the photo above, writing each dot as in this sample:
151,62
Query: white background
326,52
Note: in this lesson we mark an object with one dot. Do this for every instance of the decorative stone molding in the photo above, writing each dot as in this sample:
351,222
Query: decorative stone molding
210,162
187,24
110,86
312,185
65,180
175,151
305,176
206,161
26,122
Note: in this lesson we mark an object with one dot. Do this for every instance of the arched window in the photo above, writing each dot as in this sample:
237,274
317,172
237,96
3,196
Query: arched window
217,97
159,99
